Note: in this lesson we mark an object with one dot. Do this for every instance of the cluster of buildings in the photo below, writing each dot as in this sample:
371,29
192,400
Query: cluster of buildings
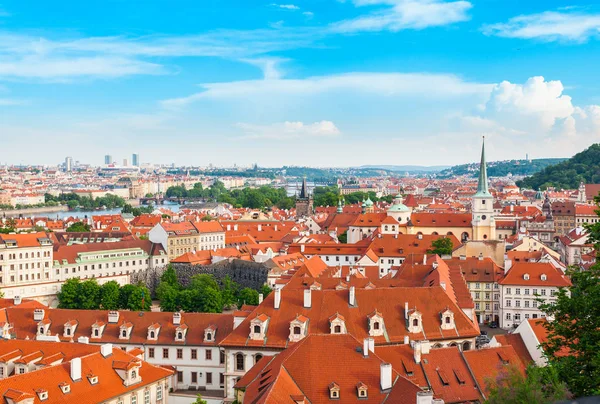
385,316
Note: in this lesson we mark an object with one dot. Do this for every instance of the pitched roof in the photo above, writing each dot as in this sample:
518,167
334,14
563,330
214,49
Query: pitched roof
535,271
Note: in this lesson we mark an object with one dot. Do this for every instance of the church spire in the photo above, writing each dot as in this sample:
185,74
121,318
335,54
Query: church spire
482,185
304,189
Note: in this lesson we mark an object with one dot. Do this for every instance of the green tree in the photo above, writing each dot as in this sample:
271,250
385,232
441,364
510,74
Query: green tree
135,298
247,296
343,238
441,246
109,296
68,297
538,385
88,295
576,325
168,296
199,400
211,301
228,292
170,277
265,290
72,204
78,227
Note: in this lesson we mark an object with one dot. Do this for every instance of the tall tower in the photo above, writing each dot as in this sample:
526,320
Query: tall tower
108,159
135,160
304,202
68,164
482,206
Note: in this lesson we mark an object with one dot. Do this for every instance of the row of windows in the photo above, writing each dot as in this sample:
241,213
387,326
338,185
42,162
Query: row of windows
240,360
533,291
26,266
517,316
193,354
194,376
134,396
26,255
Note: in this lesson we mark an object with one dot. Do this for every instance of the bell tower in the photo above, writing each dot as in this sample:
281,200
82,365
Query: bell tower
482,205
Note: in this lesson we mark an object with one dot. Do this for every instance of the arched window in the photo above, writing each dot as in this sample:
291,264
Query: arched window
68,331
239,361
337,329
208,336
124,333
257,358
464,237
41,330
152,334
376,325
257,329
447,320
435,233
466,346
96,333
297,330
180,335
415,322
133,374
385,227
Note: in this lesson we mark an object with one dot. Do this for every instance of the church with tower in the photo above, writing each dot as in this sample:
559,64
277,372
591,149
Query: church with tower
304,201
482,206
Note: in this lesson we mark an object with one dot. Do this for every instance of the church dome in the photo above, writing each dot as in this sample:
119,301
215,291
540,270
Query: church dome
368,202
398,207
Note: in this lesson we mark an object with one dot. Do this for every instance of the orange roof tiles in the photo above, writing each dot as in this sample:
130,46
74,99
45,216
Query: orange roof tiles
535,270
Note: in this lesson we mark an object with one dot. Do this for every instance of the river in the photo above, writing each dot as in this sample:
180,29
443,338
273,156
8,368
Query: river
86,213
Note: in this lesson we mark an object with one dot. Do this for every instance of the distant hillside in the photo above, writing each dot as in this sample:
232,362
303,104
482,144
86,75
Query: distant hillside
501,168
582,167
407,168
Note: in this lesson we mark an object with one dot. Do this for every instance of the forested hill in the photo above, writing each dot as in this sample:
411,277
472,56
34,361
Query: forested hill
501,168
582,167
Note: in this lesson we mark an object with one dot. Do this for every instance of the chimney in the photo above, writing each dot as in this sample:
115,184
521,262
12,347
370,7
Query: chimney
406,340
443,285
512,208
424,397
228,227
419,236
352,296
366,347
406,310
301,248
277,301
417,352
113,317
83,340
371,344
386,376
275,227
106,350
463,257
260,227
424,259
235,227
260,298
307,298
76,369
507,265
38,314
176,318
17,300
480,256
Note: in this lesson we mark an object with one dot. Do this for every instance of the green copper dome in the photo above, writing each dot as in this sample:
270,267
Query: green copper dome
398,207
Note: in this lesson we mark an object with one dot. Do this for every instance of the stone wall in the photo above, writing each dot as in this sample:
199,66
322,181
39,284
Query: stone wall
245,273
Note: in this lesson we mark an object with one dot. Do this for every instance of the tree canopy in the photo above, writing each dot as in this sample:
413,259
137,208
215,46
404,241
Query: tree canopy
441,246
89,295
576,325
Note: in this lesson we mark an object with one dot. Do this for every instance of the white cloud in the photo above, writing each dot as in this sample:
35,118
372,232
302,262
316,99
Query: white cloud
549,26
286,6
308,14
384,84
268,65
396,15
289,130
8,102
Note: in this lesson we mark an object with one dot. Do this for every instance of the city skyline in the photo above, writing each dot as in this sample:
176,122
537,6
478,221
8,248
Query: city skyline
328,83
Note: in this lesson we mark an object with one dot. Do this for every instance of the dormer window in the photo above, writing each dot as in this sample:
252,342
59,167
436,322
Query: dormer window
180,332
124,333
96,333
447,317
65,387
210,333
179,335
361,390
70,327
125,330
42,394
258,327
298,328
415,322
526,277
375,321
93,379
543,277
153,331
337,324
334,391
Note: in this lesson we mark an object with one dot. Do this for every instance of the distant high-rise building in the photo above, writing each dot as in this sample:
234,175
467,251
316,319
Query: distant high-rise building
135,160
125,162
108,159
69,164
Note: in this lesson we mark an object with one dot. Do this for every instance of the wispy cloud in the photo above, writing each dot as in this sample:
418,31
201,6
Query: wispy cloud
289,130
385,84
549,26
286,6
396,15
270,66
8,102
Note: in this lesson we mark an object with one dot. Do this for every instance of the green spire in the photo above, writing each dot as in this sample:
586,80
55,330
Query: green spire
482,185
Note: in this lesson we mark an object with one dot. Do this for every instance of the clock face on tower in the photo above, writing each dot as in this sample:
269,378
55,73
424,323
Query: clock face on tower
483,217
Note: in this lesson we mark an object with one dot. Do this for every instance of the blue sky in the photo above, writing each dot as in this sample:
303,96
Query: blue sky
321,82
